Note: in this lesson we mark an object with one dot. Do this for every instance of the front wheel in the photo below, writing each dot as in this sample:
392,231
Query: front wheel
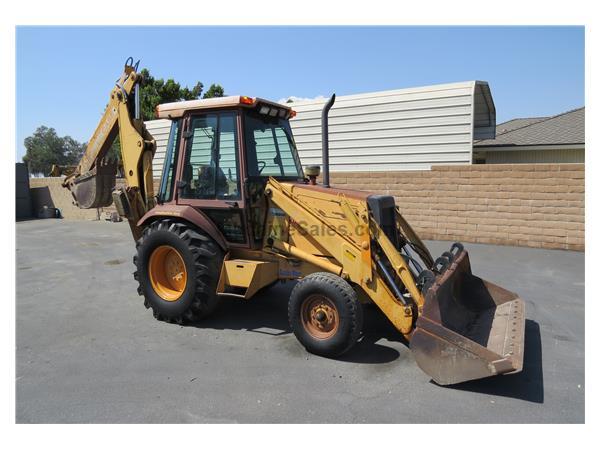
325,314
178,270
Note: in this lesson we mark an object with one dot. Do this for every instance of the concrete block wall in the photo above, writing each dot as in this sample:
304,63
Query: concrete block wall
531,205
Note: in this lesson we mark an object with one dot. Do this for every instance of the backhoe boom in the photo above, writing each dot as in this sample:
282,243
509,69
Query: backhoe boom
92,183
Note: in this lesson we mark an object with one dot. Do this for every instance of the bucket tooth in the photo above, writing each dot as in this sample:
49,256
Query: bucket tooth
469,328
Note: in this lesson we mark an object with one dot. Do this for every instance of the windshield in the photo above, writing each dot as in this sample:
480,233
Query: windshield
270,147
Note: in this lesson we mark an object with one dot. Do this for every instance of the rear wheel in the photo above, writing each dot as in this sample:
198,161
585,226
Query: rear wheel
178,270
325,314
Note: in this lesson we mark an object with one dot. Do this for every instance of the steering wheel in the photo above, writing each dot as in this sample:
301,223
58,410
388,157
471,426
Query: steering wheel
264,164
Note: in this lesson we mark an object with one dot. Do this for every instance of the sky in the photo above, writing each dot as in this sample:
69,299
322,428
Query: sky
64,74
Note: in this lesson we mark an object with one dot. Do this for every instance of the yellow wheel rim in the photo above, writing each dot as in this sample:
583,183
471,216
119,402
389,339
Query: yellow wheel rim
168,274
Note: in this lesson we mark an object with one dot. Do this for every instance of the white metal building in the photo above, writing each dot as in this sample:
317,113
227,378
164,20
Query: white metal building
160,130
403,129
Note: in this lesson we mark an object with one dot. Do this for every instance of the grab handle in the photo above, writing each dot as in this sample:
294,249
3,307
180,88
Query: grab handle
441,264
456,249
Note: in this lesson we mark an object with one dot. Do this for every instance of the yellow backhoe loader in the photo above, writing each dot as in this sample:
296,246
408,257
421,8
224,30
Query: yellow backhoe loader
236,212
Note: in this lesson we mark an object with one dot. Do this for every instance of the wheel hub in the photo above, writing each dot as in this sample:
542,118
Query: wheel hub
167,272
320,317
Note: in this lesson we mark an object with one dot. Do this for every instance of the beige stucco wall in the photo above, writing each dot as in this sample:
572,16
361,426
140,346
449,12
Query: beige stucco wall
532,205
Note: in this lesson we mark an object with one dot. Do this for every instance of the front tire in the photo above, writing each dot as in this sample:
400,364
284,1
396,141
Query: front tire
178,269
325,314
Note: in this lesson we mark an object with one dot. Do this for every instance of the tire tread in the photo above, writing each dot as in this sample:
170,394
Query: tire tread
206,255
350,300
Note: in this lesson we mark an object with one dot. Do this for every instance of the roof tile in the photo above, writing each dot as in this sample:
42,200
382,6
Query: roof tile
565,128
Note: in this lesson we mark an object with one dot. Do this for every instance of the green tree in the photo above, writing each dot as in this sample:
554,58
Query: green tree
156,91
45,148
215,90
114,152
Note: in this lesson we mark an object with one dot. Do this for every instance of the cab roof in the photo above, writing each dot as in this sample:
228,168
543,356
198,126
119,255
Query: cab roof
177,109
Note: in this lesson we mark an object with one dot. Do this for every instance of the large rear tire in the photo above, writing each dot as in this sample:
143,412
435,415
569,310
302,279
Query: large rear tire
325,314
178,269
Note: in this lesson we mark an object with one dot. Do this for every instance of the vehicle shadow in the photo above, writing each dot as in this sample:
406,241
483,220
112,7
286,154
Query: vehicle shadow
370,348
527,385
266,313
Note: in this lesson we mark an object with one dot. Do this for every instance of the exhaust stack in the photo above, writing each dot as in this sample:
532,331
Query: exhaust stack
325,139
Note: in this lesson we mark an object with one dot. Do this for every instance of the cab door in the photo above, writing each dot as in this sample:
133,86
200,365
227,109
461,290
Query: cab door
211,178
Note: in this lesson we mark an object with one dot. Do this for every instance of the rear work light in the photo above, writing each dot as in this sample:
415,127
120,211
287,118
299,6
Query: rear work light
274,111
246,100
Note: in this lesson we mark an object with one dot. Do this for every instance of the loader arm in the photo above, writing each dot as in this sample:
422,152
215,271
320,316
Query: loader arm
92,183
351,252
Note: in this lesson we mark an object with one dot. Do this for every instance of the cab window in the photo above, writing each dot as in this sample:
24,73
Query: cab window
211,168
166,184
270,148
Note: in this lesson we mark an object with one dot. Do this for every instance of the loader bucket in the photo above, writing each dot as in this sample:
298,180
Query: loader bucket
94,189
469,328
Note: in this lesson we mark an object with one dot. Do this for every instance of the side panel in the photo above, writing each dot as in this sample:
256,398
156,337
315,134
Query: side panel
247,276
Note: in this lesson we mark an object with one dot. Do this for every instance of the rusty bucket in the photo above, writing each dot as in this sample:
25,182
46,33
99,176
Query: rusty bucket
469,328
93,189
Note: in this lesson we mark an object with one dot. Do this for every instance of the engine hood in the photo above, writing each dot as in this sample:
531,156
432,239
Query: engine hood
349,193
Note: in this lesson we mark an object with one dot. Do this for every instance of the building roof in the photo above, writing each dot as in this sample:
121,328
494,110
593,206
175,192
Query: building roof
562,129
513,124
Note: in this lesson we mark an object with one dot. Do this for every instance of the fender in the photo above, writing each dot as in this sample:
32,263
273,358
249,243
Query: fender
188,214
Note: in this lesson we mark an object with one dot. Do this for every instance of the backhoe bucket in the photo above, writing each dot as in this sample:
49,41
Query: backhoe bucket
469,328
94,189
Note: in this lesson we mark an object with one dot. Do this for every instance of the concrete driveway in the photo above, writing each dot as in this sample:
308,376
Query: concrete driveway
88,350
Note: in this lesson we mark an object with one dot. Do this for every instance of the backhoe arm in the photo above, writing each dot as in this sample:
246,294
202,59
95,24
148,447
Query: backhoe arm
92,183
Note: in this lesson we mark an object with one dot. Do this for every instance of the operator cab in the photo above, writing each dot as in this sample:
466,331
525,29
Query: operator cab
219,156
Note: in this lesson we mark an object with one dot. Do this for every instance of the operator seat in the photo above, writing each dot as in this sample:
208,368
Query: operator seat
206,182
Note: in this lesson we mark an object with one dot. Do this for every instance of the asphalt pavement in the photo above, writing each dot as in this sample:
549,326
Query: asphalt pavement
89,352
